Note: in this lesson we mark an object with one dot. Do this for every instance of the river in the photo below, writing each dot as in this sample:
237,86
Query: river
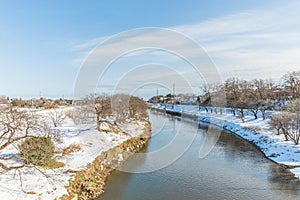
234,169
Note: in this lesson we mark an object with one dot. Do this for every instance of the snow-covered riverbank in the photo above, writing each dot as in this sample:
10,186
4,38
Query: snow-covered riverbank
39,183
256,131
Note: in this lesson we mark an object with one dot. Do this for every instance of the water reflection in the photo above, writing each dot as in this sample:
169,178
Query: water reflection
233,170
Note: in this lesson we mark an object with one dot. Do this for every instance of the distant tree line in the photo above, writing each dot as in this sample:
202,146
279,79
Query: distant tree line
255,97
35,103
111,110
258,96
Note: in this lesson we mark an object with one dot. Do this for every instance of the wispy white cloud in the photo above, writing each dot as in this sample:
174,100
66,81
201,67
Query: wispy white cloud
88,44
265,40
254,44
82,49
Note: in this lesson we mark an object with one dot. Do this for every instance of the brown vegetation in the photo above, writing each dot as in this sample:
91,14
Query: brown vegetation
38,151
15,125
71,149
112,110
89,182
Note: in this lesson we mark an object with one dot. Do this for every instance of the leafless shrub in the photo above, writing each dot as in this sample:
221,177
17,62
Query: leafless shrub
112,110
56,116
291,81
137,108
293,132
15,125
281,122
103,110
289,122
70,114
120,107
49,131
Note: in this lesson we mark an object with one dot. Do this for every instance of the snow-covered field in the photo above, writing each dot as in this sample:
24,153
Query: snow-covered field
38,183
256,131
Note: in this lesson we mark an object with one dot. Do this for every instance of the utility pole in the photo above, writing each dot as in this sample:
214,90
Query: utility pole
31,102
174,89
156,99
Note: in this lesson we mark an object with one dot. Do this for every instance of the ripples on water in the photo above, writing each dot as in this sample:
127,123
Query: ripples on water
233,170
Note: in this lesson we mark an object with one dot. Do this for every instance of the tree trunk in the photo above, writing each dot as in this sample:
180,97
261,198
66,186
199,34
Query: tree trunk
278,131
98,123
242,115
206,109
254,114
263,112
285,135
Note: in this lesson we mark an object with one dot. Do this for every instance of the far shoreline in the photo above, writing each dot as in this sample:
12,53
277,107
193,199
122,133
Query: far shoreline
208,120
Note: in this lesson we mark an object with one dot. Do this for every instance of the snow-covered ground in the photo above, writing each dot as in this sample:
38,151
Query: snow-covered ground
38,183
256,131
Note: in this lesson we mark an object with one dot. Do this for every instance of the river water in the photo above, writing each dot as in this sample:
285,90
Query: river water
234,169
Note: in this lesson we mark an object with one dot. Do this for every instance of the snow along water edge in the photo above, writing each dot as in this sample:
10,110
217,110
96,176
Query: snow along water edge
255,131
38,183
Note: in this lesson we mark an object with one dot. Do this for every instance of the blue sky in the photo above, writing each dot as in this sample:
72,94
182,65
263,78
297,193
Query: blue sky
43,43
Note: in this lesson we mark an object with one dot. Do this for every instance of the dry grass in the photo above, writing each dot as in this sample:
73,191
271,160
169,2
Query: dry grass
71,149
256,129
53,164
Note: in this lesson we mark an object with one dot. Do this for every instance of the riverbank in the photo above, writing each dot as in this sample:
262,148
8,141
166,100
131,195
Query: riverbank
88,156
255,131
89,182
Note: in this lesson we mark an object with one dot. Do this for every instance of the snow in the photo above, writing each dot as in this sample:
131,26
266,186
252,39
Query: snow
38,183
256,131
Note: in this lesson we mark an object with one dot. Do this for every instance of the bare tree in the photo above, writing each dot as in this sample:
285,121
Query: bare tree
241,105
137,108
288,122
84,110
92,108
15,125
112,110
249,98
103,109
292,82
207,90
232,90
294,106
275,122
254,95
260,96
206,98
294,129
56,116
281,123
128,107
120,107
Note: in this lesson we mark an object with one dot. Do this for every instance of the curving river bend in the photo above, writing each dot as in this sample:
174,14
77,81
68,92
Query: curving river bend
234,169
